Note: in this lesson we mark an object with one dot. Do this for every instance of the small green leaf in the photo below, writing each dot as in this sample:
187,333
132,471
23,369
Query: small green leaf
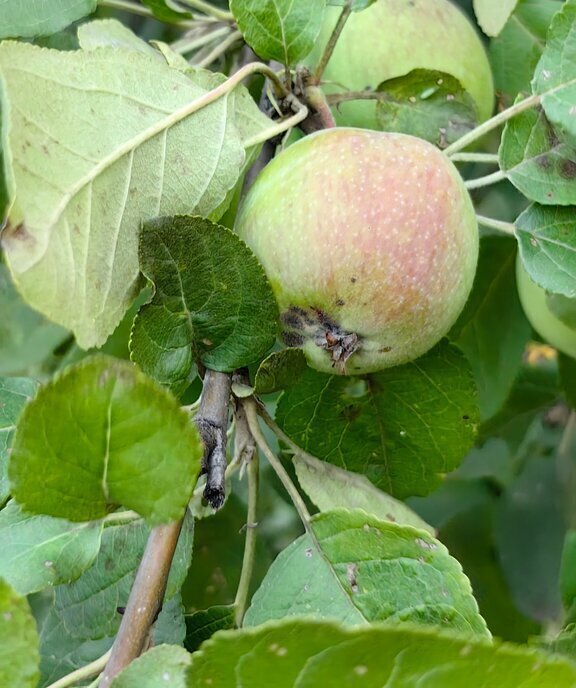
102,33
14,393
162,665
429,104
41,17
514,54
547,242
330,487
81,186
202,624
280,370
167,11
307,653
402,428
212,302
492,15
555,75
367,570
102,434
38,551
19,656
283,30
27,338
494,353
537,160
89,606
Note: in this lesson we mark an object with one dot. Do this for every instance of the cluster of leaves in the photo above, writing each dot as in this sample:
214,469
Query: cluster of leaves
123,165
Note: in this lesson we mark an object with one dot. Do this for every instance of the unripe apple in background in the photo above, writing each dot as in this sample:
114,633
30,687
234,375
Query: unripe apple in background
543,320
370,242
391,38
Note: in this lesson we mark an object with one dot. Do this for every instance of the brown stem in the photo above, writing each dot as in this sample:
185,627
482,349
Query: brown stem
212,422
145,600
320,116
329,49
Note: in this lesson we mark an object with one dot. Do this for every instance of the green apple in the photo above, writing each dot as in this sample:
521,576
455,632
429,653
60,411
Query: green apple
370,242
533,298
391,38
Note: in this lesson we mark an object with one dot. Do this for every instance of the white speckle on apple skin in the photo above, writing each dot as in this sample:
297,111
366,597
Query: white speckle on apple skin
374,230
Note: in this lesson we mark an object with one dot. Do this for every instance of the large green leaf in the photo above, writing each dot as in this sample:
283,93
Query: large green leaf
307,654
283,30
202,624
14,393
132,148
429,104
102,434
164,665
26,337
493,14
19,656
547,243
363,570
38,551
537,160
88,606
330,487
41,17
212,302
494,352
555,75
402,428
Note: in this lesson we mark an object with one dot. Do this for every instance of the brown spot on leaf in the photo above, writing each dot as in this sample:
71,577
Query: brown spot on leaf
543,161
568,169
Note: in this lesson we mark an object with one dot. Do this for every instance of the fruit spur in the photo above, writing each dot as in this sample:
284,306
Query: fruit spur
370,242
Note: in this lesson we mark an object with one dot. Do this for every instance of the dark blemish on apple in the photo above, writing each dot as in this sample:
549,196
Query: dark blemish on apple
465,417
291,319
293,339
568,169
385,349
340,302
353,279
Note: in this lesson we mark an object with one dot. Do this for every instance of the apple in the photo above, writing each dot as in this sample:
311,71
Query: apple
391,38
533,298
370,242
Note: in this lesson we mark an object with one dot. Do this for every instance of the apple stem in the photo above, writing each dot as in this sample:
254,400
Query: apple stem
478,183
489,125
329,49
488,158
500,225
321,116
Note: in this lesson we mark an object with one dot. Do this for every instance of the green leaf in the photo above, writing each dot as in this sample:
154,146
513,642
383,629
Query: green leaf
102,434
167,11
280,370
283,30
330,487
202,624
88,606
212,302
38,551
135,148
366,570
537,160
162,665
494,352
547,243
308,653
514,54
555,75
41,17
60,653
568,575
564,643
19,656
27,338
170,628
110,33
402,428
14,393
492,15
429,104
567,373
